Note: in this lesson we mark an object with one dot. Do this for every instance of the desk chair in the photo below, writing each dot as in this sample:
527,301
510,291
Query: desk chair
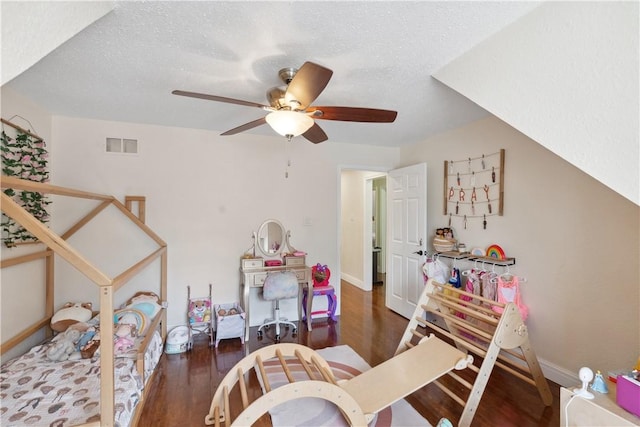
277,286
320,275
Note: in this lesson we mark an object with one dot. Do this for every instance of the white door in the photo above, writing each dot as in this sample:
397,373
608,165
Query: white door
406,231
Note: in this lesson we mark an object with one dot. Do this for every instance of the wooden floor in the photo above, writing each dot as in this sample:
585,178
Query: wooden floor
182,389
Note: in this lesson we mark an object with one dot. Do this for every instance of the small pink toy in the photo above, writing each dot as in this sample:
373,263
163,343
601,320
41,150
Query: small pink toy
122,344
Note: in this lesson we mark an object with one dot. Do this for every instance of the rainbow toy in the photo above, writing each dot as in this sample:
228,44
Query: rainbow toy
495,251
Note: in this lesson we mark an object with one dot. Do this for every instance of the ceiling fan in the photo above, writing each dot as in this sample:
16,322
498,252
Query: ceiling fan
290,110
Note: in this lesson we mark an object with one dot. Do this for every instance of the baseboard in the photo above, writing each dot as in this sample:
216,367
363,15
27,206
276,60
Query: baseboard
354,281
551,371
558,374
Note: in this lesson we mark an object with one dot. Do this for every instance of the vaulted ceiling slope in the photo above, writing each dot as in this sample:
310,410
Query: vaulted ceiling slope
566,75
551,77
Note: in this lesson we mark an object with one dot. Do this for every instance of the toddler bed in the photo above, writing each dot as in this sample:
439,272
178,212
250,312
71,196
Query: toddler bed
38,391
106,389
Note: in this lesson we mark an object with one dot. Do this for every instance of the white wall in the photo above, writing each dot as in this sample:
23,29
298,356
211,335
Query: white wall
206,194
352,213
24,282
574,239
566,75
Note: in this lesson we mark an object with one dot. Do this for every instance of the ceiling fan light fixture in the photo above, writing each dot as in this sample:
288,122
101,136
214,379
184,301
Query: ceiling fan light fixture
287,122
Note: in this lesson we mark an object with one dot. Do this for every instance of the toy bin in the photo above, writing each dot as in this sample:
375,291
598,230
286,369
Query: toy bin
230,320
628,394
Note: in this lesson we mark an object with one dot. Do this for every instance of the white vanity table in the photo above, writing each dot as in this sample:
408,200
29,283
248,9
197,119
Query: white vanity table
270,245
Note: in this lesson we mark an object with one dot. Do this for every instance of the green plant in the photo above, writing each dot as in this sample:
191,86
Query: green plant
24,157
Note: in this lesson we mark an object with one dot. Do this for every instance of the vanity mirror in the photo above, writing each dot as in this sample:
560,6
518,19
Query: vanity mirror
271,238
271,247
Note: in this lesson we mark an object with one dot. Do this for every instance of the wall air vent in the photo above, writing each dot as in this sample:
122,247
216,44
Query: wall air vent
122,145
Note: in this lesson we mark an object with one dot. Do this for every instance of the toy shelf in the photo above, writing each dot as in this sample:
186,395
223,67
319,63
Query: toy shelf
466,256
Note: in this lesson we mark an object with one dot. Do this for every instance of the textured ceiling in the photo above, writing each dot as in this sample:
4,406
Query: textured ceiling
124,66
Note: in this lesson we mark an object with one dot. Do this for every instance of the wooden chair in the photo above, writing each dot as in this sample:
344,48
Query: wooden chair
320,275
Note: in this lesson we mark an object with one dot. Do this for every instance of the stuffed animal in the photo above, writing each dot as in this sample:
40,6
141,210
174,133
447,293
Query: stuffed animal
126,330
92,347
63,346
122,344
143,297
199,311
124,337
87,334
83,327
69,314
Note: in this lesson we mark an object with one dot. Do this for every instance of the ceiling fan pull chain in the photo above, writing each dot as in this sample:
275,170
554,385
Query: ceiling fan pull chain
287,150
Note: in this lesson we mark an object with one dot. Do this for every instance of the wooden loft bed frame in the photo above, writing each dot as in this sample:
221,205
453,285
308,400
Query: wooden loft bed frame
57,245
472,325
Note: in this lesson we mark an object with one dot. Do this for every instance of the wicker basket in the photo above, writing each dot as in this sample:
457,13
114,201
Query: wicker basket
441,244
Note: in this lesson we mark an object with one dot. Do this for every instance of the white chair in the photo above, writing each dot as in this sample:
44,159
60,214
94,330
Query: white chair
277,286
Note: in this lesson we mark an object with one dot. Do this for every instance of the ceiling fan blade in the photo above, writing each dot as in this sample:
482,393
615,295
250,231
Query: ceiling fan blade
309,81
353,114
246,126
315,134
220,99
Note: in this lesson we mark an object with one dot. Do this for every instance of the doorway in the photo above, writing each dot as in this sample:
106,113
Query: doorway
362,227
404,211
379,229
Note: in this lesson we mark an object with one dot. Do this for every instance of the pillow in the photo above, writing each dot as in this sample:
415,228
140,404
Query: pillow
69,314
150,308
132,316
143,296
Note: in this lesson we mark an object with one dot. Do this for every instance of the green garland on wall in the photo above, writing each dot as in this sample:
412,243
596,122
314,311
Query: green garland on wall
24,157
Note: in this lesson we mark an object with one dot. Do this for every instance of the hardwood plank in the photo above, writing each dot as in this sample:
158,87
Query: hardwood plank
181,392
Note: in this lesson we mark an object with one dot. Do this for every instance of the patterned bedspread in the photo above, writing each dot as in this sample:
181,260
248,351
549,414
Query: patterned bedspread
35,391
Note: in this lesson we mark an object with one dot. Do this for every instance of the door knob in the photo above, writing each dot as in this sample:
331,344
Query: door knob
419,252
